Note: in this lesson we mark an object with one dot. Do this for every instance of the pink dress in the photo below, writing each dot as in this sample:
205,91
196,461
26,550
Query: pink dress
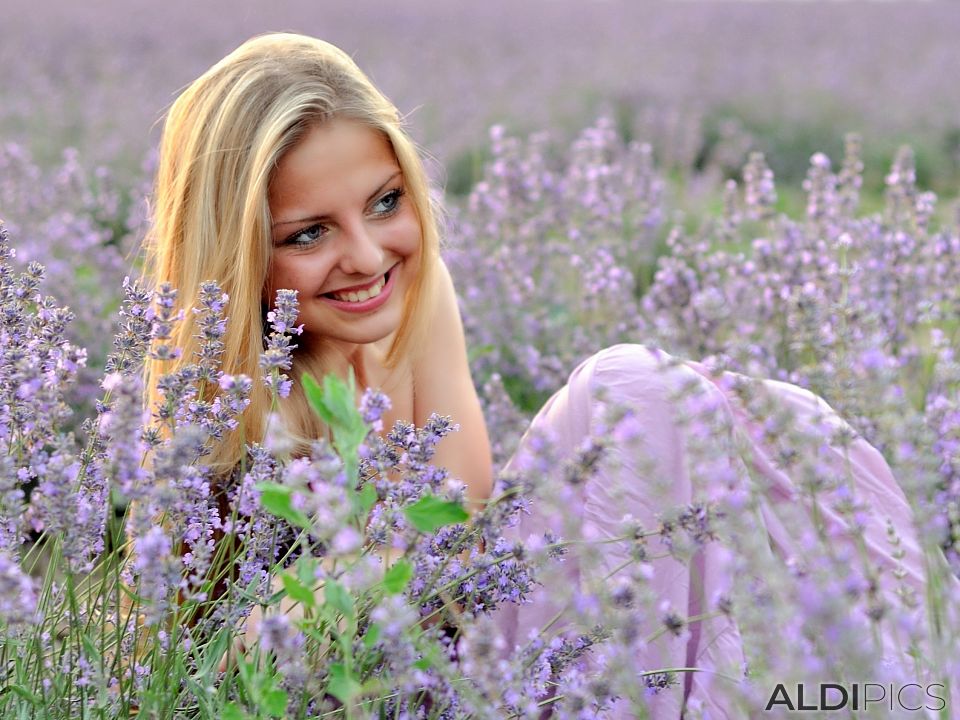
772,531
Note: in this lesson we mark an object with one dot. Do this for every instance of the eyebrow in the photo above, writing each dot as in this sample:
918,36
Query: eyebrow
317,218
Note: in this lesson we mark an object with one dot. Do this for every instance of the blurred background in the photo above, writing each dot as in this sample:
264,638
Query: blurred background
701,81
699,84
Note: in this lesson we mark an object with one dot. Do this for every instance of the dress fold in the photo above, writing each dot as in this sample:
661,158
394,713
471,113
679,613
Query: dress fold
648,466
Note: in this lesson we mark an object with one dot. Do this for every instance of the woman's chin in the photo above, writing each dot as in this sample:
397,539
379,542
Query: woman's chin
370,330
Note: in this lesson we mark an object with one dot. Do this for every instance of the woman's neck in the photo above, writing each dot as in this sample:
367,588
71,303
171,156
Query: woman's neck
366,360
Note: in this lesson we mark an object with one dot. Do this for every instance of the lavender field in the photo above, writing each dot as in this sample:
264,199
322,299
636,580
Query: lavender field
769,188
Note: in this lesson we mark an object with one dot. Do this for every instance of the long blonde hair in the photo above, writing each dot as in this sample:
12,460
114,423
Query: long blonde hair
222,140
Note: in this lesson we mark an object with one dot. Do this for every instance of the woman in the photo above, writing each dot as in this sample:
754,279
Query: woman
283,167
238,200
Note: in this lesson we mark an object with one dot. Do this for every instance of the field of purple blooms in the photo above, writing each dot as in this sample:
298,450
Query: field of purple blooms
685,76
660,223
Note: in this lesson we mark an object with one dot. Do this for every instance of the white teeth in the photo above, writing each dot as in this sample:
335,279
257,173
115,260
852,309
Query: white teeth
363,294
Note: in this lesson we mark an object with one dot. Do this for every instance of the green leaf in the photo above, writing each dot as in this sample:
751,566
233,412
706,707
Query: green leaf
335,404
323,632
343,397
132,596
213,653
274,702
307,570
397,576
315,398
90,650
371,636
278,499
338,598
24,693
297,590
340,398
343,684
422,664
247,670
195,688
368,497
232,711
430,513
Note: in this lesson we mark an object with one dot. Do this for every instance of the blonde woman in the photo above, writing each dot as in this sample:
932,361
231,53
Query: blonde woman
284,167
247,195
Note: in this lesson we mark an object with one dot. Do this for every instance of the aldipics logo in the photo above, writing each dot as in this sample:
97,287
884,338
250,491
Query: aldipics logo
911,697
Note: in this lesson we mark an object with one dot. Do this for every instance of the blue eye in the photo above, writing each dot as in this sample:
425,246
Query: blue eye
306,237
389,202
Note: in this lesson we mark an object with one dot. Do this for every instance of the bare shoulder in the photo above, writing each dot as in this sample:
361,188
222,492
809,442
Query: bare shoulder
442,384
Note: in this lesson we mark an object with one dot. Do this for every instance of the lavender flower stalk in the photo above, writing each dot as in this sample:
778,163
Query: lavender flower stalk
278,353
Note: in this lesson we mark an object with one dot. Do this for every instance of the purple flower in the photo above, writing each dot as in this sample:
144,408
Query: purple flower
164,318
278,354
211,327
373,405
156,572
18,596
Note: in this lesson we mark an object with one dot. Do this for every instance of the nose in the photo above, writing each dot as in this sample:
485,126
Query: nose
361,252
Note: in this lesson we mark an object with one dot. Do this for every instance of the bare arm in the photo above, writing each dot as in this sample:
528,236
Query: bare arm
443,385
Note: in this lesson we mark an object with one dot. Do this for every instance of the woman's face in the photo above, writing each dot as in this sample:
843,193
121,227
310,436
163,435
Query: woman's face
344,233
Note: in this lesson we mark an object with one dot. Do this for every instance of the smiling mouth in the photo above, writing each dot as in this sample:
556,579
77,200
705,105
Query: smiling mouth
361,295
